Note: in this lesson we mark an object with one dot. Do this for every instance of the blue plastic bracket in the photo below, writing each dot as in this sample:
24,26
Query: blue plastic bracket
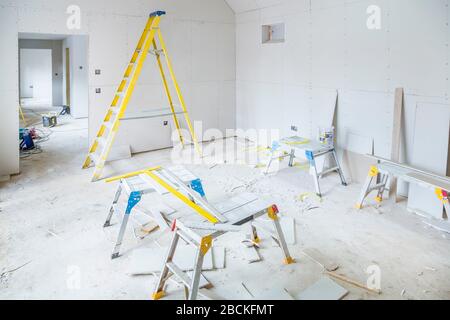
197,186
275,146
310,156
135,198
157,13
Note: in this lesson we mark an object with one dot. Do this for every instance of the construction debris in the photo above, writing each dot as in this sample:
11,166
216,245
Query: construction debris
324,289
321,259
352,282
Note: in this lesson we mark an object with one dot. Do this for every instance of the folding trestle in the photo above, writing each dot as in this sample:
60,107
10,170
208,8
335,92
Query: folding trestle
313,151
135,191
381,180
443,196
203,243
381,174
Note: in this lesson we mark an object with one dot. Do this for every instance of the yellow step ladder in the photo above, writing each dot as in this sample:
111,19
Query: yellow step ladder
101,147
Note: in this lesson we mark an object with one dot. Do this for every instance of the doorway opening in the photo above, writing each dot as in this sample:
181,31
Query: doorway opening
53,94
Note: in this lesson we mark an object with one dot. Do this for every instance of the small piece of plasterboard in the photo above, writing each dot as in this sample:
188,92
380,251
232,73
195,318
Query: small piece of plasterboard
443,226
209,295
324,289
149,261
327,263
218,257
204,283
250,254
274,294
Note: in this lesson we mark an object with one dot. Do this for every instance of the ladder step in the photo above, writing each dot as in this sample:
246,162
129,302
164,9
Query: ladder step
101,142
179,273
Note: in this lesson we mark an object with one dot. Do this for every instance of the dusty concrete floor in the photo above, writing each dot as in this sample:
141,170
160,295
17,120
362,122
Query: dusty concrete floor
51,219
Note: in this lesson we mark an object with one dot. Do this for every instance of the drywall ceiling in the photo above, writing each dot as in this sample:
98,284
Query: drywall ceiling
240,6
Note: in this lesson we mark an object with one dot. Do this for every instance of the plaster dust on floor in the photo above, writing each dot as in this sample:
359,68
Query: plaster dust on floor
53,245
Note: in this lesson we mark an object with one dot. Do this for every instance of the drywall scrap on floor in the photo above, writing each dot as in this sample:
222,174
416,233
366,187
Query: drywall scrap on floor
149,261
443,226
324,289
250,254
321,259
274,295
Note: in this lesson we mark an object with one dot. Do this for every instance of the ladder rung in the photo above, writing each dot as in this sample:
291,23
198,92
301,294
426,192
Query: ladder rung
108,125
179,273
101,142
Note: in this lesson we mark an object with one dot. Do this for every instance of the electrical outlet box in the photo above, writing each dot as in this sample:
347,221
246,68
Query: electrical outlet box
294,128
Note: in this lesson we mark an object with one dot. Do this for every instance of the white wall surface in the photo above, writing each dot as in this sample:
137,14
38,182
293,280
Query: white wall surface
79,75
57,66
200,36
36,75
329,47
9,93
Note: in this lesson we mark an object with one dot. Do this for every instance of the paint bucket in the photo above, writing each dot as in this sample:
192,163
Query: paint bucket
49,120
326,136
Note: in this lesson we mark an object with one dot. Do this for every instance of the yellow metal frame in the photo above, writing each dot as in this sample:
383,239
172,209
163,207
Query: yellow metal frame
151,173
126,89
22,116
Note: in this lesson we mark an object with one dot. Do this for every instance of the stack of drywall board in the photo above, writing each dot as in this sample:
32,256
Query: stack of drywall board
431,141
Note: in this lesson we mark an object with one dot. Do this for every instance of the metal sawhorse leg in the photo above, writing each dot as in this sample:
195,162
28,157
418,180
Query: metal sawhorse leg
311,156
443,196
133,200
380,186
203,245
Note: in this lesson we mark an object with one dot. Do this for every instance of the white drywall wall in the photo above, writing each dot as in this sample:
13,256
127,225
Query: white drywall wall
9,93
29,41
329,47
79,75
200,36
36,75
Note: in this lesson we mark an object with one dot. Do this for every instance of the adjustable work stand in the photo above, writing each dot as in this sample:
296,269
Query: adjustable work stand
135,186
202,239
381,174
313,150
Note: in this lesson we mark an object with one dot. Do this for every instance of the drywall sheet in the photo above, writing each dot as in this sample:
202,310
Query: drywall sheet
366,53
431,140
368,115
9,84
328,59
148,261
323,108
419,45
296,111
324,289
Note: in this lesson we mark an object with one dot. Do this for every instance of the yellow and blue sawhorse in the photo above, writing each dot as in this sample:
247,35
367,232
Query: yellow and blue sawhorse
381,174
102,144
313,150
136,185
